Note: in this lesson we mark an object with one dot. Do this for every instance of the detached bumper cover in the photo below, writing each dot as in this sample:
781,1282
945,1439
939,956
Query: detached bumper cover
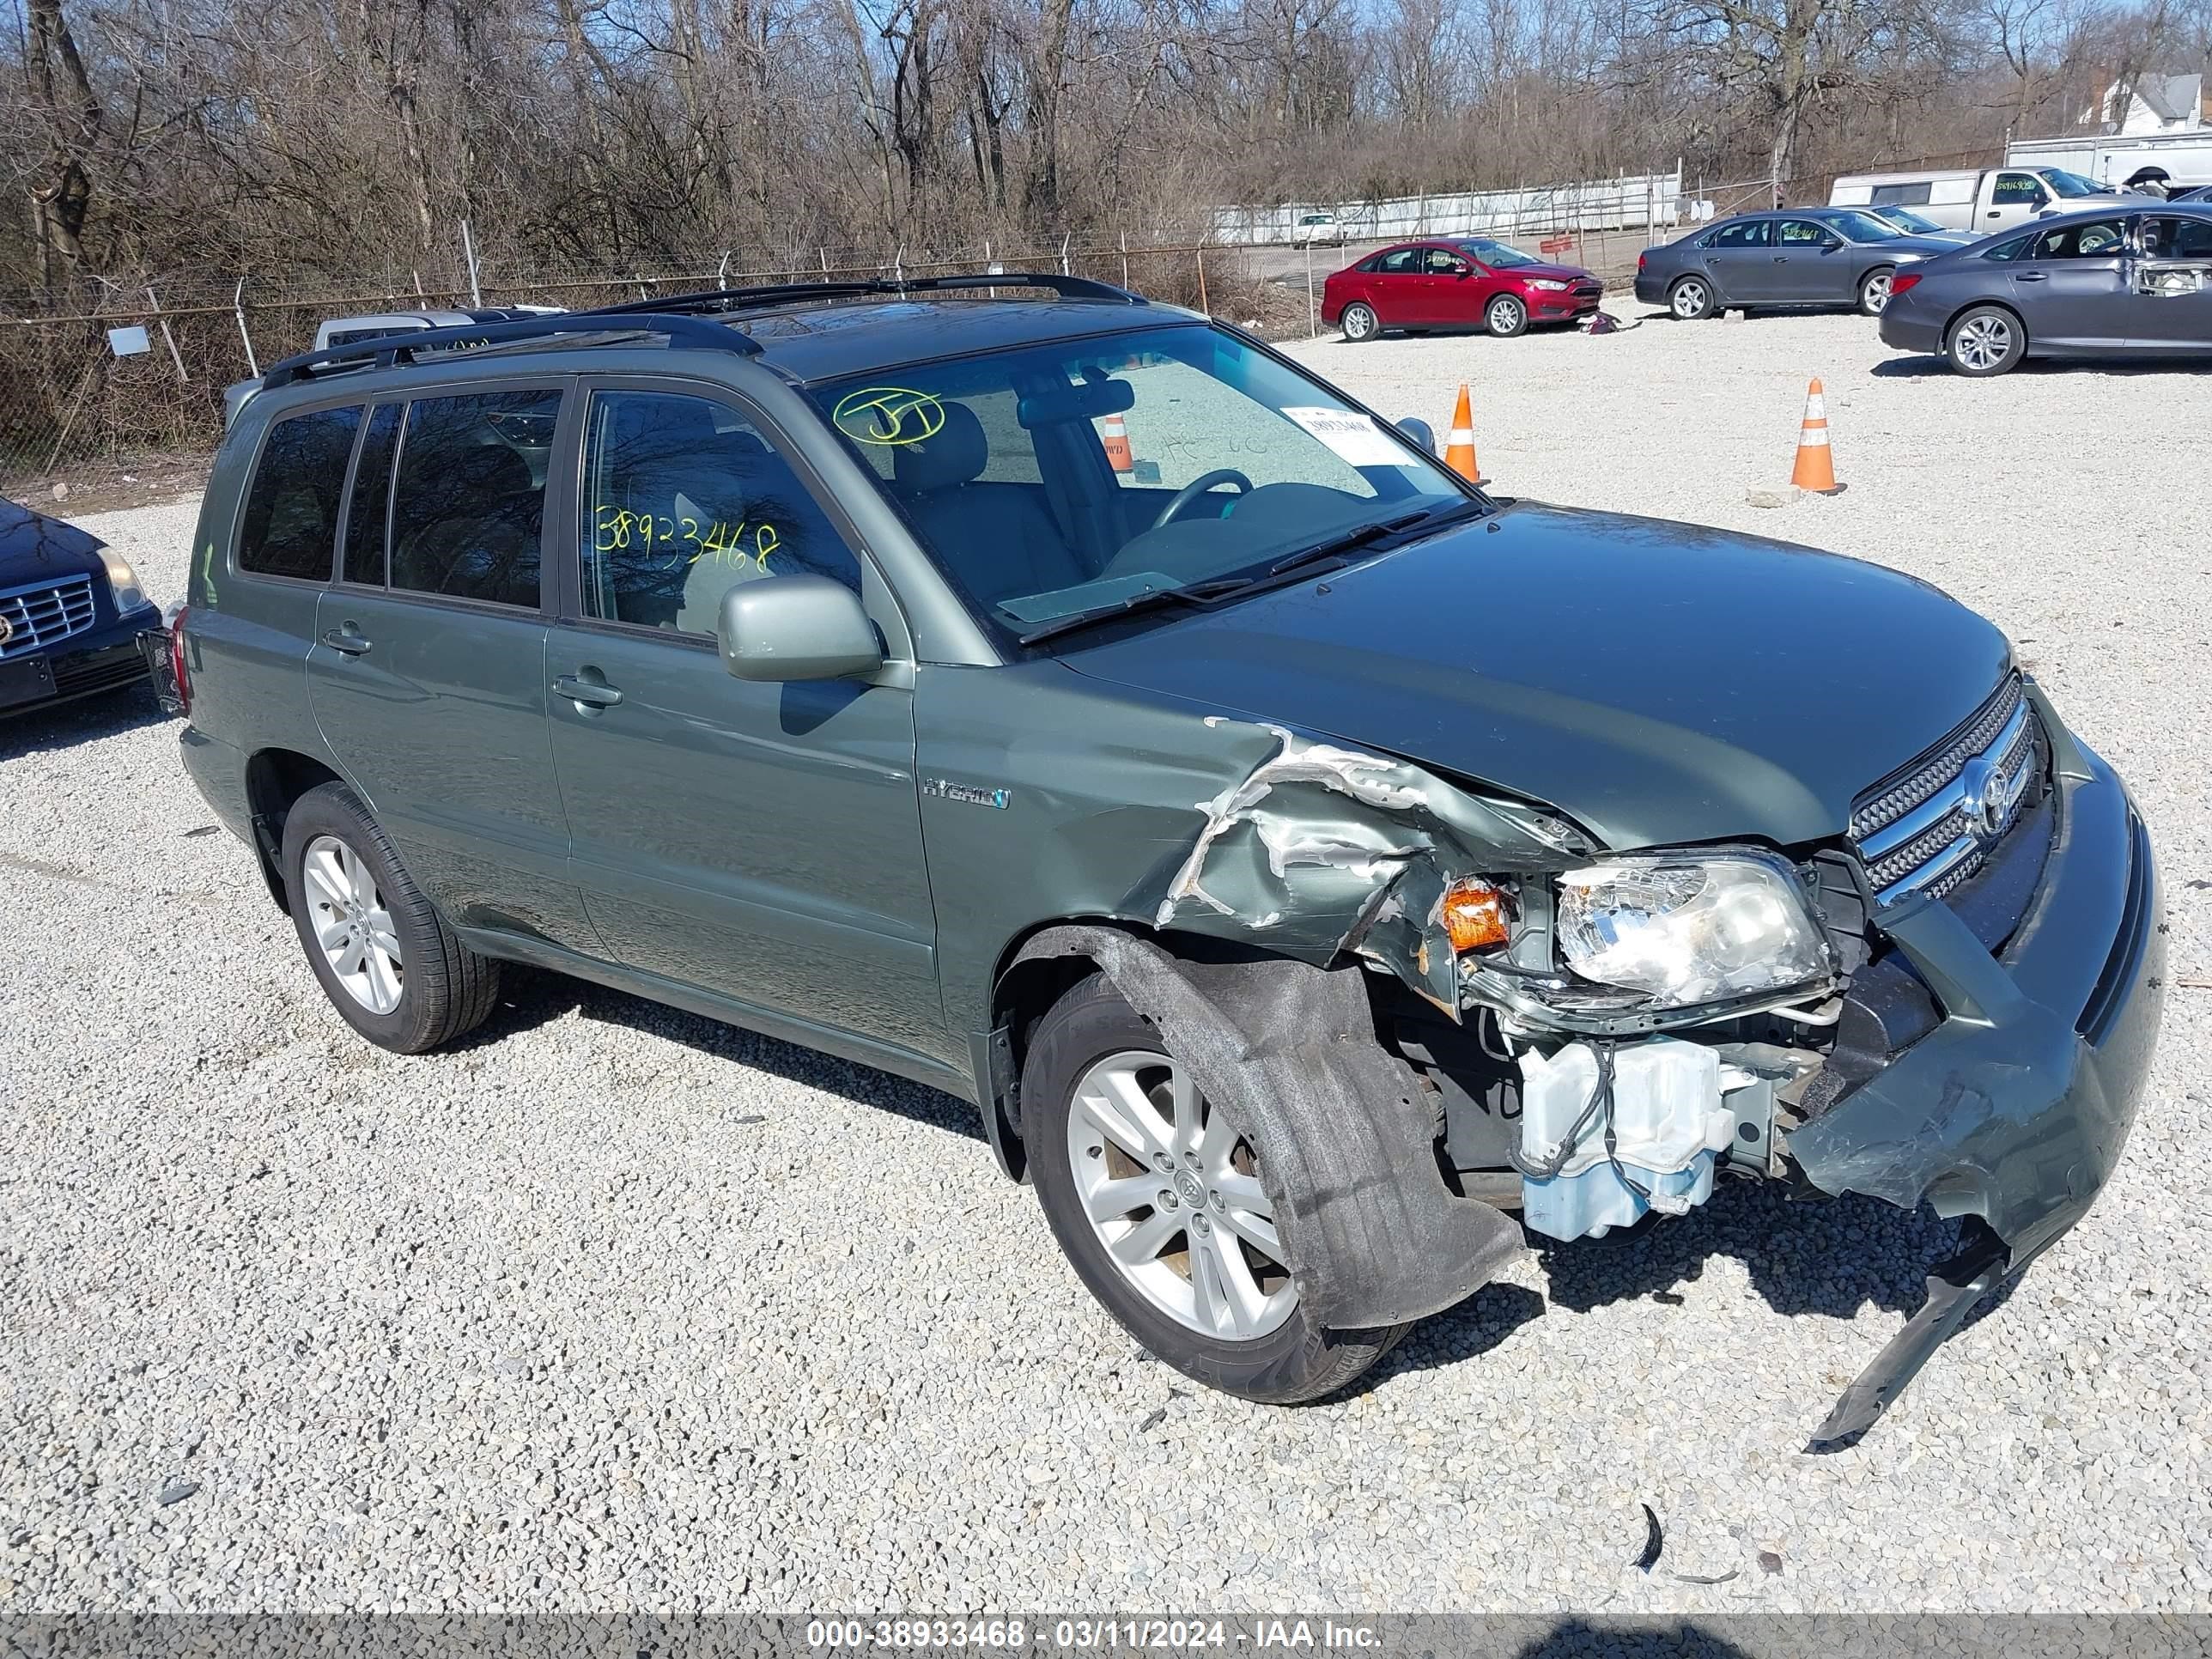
2017,1106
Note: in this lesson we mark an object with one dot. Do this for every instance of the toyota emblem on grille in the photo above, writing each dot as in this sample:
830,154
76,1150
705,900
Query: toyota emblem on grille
1989,796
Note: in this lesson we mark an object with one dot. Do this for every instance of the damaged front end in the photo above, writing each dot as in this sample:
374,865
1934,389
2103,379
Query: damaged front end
1955,1006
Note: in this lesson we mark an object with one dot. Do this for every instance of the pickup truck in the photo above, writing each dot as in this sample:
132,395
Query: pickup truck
1984,202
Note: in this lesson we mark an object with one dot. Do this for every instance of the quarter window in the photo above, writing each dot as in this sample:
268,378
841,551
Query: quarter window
684,499
469,503
2008,249
292,510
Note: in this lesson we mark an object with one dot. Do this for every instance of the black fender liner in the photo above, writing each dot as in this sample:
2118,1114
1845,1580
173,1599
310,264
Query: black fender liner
1347,1146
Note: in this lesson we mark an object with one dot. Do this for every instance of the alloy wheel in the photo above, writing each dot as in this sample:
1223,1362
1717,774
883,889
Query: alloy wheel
1874,293
1689,298
1172,1189
1358,322
352,926
1504,316
1983,343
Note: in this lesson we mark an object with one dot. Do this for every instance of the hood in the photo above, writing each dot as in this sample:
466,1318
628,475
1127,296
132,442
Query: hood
1659,683
33,547
1549,273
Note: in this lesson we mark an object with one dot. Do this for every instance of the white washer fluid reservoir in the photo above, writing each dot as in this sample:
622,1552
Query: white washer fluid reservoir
1668,1125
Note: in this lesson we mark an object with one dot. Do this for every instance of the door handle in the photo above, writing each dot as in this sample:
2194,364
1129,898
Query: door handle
592,694
346,640
2035,276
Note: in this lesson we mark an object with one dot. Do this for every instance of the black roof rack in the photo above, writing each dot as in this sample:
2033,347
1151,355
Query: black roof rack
386,349
745,299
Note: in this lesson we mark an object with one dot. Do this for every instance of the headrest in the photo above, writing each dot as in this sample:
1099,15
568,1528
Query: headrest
954,454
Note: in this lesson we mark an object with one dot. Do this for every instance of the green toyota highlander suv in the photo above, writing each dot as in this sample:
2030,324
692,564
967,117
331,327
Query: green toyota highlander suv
1303,860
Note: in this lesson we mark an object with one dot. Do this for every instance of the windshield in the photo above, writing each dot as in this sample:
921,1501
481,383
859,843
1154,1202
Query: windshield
1862,227
1916,224
1057,479
1497,256
2069,184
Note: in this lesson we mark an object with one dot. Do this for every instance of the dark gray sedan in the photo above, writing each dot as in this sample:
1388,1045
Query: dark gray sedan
1800,257
2098,284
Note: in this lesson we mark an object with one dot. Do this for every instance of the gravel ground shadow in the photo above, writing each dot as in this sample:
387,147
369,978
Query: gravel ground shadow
85,720
530,997
1832,1257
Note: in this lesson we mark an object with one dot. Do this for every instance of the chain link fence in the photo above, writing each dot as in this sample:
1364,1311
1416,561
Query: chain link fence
123,371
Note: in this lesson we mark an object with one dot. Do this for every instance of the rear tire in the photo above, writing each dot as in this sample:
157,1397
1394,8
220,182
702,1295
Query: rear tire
1094,1064
383,956
1986,341
1505,317
1691,298
1874,291
1360,322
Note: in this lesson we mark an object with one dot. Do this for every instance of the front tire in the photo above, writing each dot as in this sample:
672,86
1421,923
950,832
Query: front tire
1505,317
383,956
1986,341
1874,291
1360,322
1690,299
1157,1199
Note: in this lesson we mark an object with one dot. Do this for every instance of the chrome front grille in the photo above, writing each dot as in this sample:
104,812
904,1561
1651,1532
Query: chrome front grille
44,613
1931,828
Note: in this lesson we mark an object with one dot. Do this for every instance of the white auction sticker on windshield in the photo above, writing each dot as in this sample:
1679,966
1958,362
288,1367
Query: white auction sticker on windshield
1350,434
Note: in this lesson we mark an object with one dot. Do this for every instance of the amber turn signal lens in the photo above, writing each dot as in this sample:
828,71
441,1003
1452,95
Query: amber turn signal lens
1474,915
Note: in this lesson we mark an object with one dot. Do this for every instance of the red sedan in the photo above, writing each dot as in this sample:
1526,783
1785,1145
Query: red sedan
1465,282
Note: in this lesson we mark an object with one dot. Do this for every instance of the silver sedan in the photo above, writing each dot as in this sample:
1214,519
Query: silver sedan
2094,285
1800,257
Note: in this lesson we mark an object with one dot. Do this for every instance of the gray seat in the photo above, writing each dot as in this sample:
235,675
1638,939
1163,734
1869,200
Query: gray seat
998,539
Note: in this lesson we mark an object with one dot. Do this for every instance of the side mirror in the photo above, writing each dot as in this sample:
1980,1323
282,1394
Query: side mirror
1420,431
797,627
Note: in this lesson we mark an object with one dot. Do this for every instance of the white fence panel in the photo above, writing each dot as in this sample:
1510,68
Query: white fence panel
1643,199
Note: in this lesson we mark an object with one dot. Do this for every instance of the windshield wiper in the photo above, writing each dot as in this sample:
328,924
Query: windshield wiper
1221,588
1144,600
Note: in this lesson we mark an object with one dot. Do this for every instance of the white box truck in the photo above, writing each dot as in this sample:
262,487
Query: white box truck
1986,200
2185,157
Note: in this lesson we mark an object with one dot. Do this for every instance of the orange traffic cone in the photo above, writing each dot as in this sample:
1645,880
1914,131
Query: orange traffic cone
1816,469
1459,449
1117,445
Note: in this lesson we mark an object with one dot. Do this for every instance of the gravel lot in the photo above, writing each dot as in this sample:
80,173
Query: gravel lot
616,1308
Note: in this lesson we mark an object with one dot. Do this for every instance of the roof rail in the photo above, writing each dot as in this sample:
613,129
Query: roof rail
741,299
386,349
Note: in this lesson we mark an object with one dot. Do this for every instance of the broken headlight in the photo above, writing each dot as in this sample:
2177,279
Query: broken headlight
1686,930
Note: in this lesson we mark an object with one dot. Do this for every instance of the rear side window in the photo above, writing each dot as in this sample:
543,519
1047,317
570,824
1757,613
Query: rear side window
291,525
469,503
1745,232
1401,261
2101,238
370,510
684,499
1901,195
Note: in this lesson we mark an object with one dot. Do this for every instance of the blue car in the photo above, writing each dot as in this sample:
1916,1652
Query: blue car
71,613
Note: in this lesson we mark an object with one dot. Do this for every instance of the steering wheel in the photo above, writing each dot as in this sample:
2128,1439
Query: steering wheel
1197,487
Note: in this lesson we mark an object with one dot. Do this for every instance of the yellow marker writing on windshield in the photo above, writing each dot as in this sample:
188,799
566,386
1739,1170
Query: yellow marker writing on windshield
888,416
